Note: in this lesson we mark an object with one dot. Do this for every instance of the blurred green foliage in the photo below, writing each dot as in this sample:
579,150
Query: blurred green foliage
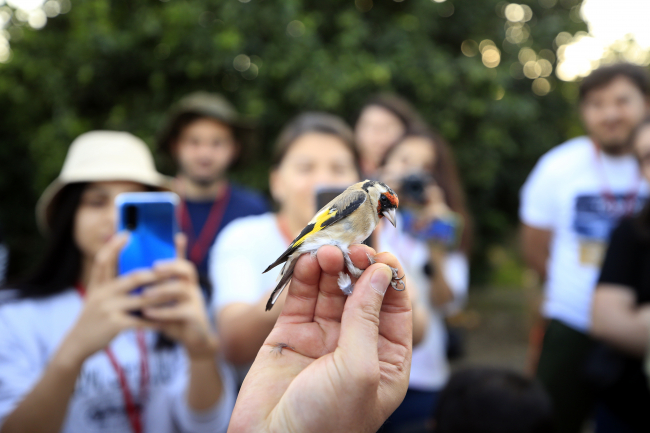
120,64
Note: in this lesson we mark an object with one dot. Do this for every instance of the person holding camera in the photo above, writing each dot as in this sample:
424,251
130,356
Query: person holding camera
433,241
314,150
621,307
79,352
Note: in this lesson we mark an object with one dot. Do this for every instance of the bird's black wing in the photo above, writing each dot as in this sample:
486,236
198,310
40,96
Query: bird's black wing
338,209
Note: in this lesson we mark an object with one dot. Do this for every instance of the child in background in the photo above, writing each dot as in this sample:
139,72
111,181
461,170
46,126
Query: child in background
423,173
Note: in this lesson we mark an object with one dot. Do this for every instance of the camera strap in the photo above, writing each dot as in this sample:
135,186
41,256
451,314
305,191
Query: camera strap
133,411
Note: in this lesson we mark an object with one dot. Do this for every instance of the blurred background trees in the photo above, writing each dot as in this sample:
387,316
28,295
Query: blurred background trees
482,72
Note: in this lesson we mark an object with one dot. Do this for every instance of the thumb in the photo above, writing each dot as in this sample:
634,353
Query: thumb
360,321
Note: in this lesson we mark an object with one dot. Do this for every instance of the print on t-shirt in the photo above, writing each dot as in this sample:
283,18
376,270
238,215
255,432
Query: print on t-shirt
595,217
100,396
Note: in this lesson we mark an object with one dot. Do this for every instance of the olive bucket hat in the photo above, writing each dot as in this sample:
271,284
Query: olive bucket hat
208,105
101,156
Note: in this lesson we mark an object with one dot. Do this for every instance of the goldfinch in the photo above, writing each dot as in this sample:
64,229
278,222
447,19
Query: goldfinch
348,219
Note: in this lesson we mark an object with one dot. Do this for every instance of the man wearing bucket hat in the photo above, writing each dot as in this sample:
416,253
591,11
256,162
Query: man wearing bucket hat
205,136
71,351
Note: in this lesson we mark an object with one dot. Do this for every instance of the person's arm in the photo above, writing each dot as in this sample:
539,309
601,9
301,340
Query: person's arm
49,398
179,311
243,327
105,314
535,244
241,292
617,319
538,212
440,292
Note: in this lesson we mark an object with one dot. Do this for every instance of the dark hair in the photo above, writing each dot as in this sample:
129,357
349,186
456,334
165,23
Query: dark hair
446,176
311,122
399,107
60,265
493,400
603,76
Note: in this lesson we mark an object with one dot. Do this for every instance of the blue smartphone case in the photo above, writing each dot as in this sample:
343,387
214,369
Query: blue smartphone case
150,220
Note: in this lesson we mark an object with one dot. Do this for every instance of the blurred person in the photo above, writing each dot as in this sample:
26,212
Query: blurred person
573,198
423,171
73,355
493,400
332,363
205,136
313,150
383,120
621,307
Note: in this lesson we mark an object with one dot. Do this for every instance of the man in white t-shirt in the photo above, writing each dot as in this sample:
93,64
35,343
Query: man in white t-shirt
571,201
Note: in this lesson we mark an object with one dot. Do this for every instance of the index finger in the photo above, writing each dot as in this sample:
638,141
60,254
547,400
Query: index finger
303,291
105,263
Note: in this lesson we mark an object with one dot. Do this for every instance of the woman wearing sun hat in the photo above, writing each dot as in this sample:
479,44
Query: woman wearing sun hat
72,356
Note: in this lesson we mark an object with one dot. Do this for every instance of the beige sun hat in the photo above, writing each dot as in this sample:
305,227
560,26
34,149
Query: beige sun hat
101,156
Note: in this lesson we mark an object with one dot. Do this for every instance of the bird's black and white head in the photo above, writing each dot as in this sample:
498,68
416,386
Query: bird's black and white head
384,197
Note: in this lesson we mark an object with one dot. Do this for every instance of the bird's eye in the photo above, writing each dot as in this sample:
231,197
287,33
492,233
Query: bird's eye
384,200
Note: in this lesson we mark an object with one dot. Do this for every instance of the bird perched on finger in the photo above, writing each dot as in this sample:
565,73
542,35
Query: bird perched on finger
348,219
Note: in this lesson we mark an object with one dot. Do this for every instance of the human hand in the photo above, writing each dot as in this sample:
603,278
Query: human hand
108,304
435,206
177,307
332,362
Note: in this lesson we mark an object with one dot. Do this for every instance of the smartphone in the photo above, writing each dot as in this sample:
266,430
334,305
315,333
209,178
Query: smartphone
326,195
150,220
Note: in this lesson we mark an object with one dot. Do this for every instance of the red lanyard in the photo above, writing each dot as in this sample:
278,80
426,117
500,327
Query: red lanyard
606,192
202,243
134,413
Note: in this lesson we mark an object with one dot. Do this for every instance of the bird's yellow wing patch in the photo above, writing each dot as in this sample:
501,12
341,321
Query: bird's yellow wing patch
314,227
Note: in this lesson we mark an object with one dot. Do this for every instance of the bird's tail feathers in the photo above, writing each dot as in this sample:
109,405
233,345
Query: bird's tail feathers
285,277
283,258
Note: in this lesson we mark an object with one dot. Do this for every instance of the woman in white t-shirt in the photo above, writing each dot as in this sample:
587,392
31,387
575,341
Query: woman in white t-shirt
314,150
73,355
422,169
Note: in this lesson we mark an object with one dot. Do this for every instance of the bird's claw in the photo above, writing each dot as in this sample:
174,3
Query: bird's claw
397,280
371,259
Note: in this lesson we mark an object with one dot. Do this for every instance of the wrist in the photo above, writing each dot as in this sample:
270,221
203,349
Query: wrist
68,359
205,351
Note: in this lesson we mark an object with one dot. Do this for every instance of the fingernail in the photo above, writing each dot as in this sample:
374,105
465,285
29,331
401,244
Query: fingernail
380,279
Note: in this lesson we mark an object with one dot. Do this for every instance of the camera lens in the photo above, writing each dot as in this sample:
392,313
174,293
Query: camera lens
131,217
413,187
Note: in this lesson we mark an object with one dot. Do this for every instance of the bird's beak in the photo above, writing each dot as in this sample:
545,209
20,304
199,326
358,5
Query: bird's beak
390,216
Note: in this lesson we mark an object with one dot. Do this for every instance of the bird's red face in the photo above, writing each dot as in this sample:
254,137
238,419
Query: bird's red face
388,203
